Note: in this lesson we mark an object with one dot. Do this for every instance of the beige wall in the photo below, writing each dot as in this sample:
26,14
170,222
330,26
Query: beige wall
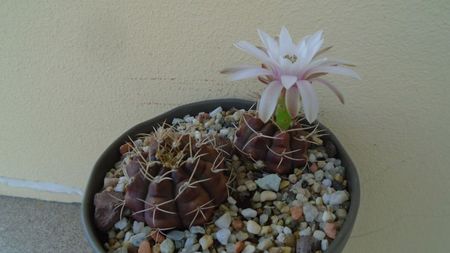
74,75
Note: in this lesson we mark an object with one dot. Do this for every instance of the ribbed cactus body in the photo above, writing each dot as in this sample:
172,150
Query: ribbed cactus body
280,151
179,181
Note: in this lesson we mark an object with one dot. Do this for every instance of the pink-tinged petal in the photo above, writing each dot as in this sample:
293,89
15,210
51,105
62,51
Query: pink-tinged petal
313,45
293,101
332,87
269,100
286,45
270,43
309,101
288,81
249,73
253,50
334,70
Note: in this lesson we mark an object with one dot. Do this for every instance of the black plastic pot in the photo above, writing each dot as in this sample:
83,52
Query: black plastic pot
111,155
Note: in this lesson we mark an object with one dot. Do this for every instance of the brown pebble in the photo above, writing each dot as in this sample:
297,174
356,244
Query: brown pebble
330,230
157,237
296,213
290,240
239,246
237,224
313,168
145,247
125,148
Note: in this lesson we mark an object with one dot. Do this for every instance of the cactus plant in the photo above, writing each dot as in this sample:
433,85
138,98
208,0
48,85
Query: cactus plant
176,181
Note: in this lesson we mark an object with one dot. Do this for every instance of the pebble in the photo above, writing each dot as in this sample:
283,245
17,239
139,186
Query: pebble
206,241
197,230
249,213
239,246
223,235
253,227
328,166
224,221
268,196
137,239
330,230
327,182
289,240
215,112
231,200
310,212
292,178
251,185
305,232
138,226
338,198
296,213
241,236
127,236
176,235
263,218
319,235
324,244
237,224
318,175
145,247
121,224
341,213
304,244
167,246
284,184
328,216
264,244
266,230
269,182
249,249
312,158
287,231
190,241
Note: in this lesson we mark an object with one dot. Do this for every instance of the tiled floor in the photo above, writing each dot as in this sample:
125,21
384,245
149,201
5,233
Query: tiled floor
28,225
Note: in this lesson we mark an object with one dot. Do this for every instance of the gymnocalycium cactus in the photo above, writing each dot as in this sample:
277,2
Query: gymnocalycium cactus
177,181
289,70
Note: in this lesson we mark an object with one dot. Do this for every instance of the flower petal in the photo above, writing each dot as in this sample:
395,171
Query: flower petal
286,44
253,50
269,100
288,81
248,73
309,100
270,43
332,87
334,70
293,101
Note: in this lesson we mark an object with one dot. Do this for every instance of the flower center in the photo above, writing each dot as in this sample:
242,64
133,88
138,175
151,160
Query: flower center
292,58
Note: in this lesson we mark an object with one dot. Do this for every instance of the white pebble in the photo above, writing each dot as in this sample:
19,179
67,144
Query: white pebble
241,236
287,231
224,221
324,244
120,187
312,158
197,230
268,196
259,164
137,227
263,218
206,241
264,244
318,175
251,185
166,246
328,216
338,197
224,131
249,213
319,235
128,236
121,224
137,239
328,166
281,237
292,178
269,182
305,232
326,182
216,111
223,235
310,212
197,135
249,249
175,235
253,227
231,200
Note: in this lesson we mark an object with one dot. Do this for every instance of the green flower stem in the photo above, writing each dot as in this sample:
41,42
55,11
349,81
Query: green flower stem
282,117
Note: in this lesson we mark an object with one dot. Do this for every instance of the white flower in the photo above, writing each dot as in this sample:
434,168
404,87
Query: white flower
290,70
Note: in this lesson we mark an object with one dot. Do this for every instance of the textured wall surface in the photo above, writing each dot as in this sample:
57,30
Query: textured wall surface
76,74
